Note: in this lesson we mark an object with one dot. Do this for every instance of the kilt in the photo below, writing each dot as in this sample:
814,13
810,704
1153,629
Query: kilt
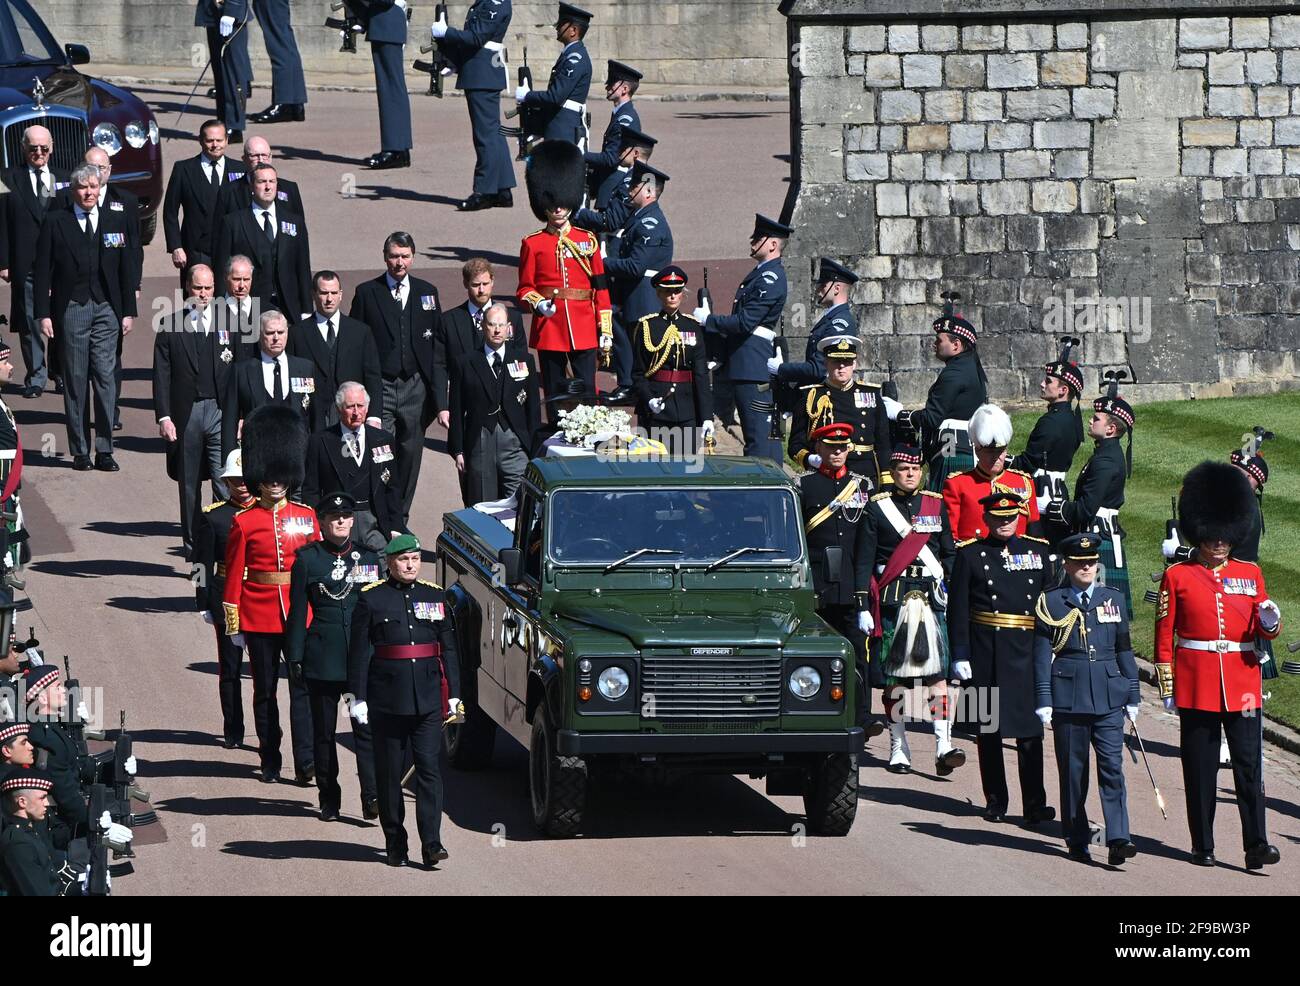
880,647
954,439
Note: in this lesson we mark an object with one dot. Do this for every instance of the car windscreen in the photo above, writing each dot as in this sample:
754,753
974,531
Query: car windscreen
24,37
689,525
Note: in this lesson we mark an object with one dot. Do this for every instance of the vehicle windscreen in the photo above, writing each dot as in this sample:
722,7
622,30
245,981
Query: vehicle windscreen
698,525
24,38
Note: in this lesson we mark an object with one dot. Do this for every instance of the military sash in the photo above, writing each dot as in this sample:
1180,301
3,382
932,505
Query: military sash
914,545
841,500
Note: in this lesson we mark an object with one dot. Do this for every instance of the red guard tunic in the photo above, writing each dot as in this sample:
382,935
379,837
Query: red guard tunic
260,551
962,494
567,269
1204,617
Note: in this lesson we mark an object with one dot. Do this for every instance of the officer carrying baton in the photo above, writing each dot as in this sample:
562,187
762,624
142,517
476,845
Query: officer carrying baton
1160,801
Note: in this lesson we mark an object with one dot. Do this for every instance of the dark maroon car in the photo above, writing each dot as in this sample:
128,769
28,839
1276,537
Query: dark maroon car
39,85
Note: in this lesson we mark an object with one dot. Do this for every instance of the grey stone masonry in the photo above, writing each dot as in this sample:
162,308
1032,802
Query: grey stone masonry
1050,161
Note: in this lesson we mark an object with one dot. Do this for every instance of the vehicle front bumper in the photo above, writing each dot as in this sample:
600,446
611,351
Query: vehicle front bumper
571,743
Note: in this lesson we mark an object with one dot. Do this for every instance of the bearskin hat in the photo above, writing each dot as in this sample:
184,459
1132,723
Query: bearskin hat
555,176
1216,504
274,442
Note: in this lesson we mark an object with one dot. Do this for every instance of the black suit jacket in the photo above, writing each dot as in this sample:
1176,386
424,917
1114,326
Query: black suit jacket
458,336
176,363
247,391
189,192
355,357
289,257
476,393
61,273
120,201
373,304
375,479
22,215
237,196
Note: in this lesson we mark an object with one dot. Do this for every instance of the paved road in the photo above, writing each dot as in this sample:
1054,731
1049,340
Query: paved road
110,589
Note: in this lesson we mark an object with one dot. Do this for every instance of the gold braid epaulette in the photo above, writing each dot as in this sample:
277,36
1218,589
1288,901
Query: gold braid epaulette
1165,679
670,343
1062,628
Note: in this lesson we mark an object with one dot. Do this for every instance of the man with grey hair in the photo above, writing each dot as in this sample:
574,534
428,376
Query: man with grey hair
83,287
31,188
361,460
242,312
272,376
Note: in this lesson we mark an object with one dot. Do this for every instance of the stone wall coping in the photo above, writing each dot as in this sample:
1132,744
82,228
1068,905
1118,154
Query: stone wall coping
872,11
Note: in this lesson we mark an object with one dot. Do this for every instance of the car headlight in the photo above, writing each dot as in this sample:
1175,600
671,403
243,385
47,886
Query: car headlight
805,682
136,134
106,136
153,131
613,683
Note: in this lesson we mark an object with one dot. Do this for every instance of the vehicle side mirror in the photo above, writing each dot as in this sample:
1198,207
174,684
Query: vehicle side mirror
512,565
833,563
77,54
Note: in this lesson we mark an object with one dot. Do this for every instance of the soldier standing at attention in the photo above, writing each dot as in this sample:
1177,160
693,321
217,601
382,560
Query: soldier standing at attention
288,87
226,27
621,82
996,581
405,673
990,434
1085,683
27,862
834,282
327,579
1211,610
1057,435
564,100
959,389
386,32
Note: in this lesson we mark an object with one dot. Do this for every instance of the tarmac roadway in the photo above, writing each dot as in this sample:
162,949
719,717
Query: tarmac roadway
110,589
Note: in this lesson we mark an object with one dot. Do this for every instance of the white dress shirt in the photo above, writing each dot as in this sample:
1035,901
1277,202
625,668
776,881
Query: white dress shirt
358,437
323,323
208,166
268,373
404,287
45,176
270,211
82,214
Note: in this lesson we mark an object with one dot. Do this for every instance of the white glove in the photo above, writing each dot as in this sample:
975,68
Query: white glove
455,711
119,834
438,30
1044,715
84,881
606,342
129,765
83,713
892,407
712,365
238,640
34,657
706,430
814,461
360,712
1043,500
700,314
1169,545
962,670
773,364
865,623
1270,617
1132,712
227,26
1169,704
207,617
521,93
545,308
656,404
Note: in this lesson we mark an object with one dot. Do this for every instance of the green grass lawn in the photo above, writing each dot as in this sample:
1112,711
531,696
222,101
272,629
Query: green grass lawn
1169,439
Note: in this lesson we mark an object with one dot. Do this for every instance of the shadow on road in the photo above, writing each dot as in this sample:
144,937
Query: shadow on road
175,737
89,568
136,529
197,768
268,807
343,852
999,837
151,604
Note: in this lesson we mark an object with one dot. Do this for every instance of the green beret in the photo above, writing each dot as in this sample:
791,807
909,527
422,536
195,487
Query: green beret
402,543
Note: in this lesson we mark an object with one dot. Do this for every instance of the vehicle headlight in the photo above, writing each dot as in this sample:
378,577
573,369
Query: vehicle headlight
106,136
805,682
136,134
613,683
153,131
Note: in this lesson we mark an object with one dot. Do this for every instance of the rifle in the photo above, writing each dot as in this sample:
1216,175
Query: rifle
440,65
97,881
703,299
1171,530
348,26
772,406
530,127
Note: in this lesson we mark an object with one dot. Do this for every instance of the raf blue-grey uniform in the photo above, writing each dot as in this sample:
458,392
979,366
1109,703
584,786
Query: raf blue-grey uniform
386,32
837,321
613,187
759,301
478,54
604,162
565,97
287,82
231,71
1087,685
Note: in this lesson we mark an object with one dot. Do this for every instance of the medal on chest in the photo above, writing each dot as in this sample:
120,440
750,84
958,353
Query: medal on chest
428,611
1108,612
1021,563
864,398
1239,587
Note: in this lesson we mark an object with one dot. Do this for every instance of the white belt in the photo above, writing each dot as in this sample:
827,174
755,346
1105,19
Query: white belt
577,107
952,424
651,273
9,453
1053,476
1106,520
764,333
1221,646
493,45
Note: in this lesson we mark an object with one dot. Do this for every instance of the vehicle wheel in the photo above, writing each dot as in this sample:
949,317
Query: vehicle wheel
147,228
557,785
832,799
470,744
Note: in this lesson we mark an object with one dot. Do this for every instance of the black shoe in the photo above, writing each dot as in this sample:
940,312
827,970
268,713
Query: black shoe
476,202
1079,854
234,137
385,160
105,462
270,776
899,768
995,813
370,809
212,92
1120,850
434,856
82,463
396,858
1204,859
619,395
117,425
505,200
281,113
231,744
1260,855
330,814
305,777
58,385
1043,813
31,392
950,761
873,728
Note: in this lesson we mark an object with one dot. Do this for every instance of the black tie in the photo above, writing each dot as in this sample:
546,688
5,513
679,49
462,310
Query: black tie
1083,600
496,365
90,228
276,384
213,177
268,227
42,189
331,336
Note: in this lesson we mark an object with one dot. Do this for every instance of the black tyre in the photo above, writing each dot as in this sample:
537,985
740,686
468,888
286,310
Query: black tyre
557,785
832,799
470,744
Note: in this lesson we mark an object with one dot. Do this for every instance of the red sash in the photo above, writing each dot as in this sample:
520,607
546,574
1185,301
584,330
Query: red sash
907,551
15,474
